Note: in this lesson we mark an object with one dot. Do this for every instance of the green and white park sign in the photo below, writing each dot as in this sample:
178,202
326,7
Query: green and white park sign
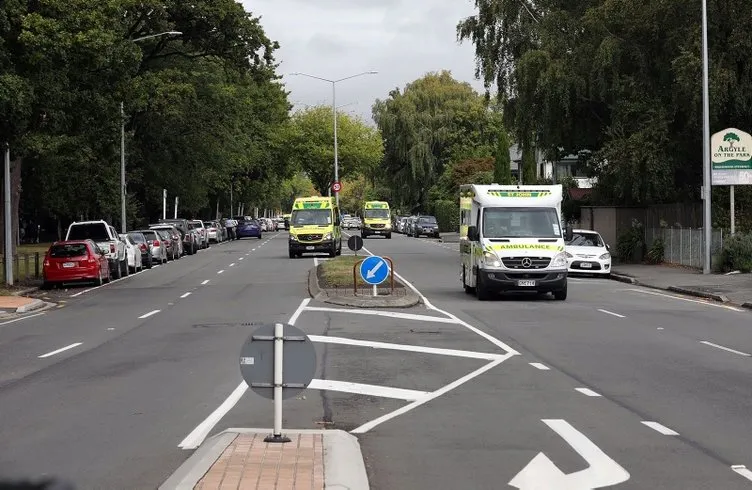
731,157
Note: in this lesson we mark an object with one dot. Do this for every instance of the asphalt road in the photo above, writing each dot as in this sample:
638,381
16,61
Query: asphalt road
618,385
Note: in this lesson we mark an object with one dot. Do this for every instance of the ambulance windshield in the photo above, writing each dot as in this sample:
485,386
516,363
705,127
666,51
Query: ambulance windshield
520,223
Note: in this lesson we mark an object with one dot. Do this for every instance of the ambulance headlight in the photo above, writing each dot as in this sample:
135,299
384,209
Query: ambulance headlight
491,259
560,260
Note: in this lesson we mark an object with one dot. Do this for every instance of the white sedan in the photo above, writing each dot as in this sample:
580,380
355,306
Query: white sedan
588,253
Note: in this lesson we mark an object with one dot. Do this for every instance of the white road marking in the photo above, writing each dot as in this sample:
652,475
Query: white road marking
540,366
22,318
205,282
241,258
706,303
727,349
62,349
435,394
185,295
405,347
197,435
587,392
232,265
660,428
220,272
253,250
365,389
659,328
389,314
742,470
147,315
611,313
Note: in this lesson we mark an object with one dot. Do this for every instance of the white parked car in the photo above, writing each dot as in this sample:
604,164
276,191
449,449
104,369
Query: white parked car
588,253
107,239
133,251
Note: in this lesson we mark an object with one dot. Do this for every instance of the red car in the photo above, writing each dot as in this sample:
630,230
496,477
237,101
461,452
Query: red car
74,260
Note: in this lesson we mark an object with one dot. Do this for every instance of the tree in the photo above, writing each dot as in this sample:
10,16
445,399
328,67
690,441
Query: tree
731,138
529,166
502,161
311,144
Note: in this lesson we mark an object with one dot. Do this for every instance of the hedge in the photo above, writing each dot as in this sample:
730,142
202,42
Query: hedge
447,213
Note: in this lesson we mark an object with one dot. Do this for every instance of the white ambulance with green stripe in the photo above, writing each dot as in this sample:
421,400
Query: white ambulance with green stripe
512,239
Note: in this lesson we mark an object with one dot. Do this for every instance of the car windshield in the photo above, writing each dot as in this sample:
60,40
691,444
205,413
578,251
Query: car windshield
198,224
585,240
304,217
68,250
89,231
521,223
427,219
376,213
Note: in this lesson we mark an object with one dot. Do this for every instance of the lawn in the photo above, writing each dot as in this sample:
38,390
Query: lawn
25,265
338,273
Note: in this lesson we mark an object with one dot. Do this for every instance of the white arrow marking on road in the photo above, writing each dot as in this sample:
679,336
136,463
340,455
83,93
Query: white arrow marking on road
370,274
542,474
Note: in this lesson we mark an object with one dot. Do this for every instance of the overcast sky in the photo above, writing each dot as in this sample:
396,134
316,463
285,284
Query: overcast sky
401,39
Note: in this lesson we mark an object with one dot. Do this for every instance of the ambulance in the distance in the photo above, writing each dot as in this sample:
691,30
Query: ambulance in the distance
315,227
377,219
511,239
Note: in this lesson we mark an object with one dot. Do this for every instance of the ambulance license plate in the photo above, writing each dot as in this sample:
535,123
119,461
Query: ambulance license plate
526,283
310,247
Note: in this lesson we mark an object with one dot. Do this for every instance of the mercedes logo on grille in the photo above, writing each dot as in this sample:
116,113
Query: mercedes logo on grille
527,263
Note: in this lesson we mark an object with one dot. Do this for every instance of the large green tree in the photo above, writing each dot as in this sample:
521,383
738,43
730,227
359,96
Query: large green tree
311,145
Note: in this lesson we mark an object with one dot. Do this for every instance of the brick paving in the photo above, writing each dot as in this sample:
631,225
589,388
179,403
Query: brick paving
13,302
250,463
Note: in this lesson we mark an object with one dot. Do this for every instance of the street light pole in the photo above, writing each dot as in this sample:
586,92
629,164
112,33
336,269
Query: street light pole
123,225
334,110
706,170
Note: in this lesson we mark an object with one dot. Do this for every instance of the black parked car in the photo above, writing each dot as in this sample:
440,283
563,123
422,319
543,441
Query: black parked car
426,225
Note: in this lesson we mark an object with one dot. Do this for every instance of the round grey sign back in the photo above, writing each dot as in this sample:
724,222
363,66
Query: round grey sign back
257,361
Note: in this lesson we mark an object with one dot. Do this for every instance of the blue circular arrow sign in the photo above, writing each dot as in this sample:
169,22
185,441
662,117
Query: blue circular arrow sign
374,270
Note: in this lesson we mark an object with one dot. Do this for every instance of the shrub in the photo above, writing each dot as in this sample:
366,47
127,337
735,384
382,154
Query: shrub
629,245
447,214
657,251
737,253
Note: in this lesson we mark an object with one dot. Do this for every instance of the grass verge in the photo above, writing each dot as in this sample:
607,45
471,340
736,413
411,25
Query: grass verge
338,273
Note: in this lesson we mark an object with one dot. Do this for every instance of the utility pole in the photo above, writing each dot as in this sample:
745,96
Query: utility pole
707,179
8,223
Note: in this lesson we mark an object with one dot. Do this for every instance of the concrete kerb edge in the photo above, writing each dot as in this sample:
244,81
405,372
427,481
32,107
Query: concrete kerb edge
22,292
343,460
677,289
314,290
37,304
747,305
699,294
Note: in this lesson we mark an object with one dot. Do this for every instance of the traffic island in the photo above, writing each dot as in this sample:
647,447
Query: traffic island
332,282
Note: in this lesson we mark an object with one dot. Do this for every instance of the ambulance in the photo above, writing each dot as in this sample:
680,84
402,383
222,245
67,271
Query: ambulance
377,219
315,227
511,239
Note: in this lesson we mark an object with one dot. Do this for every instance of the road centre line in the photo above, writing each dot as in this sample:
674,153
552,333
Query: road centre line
660,428
147,315
727,349
405,347
241,258
742,470
185,295
611,313
389,314
197,435
366,389
62,349
587,392
706,303
232,265
205,282
220,272
21,318
540,366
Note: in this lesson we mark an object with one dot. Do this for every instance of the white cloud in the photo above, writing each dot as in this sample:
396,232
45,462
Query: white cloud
401,39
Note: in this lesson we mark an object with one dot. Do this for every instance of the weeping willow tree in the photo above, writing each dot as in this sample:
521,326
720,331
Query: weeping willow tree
434,121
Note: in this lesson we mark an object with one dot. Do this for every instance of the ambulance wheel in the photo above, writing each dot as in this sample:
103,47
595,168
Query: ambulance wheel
468,289
481,291
561,294
388,236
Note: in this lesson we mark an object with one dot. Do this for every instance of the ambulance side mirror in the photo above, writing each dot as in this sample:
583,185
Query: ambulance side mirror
472,233
568,234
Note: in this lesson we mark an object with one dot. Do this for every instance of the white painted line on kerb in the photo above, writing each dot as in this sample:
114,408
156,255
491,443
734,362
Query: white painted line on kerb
185,295
365,389
205,282
540,366
706,303
405,347
22,318
197,435
62,349
711,344
742,470
147,315
232,265
660,428
611,313
587,392
390,314
220,272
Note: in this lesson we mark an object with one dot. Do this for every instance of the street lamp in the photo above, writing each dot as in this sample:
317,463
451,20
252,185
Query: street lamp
707,176
334,110
122,136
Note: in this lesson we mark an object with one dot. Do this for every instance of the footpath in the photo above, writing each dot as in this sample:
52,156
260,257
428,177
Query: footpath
733,289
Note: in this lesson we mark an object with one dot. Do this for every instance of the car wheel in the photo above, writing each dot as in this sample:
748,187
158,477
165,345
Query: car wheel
149,262
116,271
259,236
99,280
481,291
126,270
468,289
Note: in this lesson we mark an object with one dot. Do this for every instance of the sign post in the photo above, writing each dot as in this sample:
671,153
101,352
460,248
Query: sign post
732,163
374,270
278,362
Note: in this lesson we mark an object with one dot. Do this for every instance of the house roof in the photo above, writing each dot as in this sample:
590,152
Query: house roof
578,194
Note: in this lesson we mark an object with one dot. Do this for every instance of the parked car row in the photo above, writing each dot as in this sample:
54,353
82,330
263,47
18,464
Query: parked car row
417,226
351,222
93,251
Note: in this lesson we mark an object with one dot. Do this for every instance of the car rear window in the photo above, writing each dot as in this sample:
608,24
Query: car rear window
150,235
89,231
427,219
138,238
69,250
